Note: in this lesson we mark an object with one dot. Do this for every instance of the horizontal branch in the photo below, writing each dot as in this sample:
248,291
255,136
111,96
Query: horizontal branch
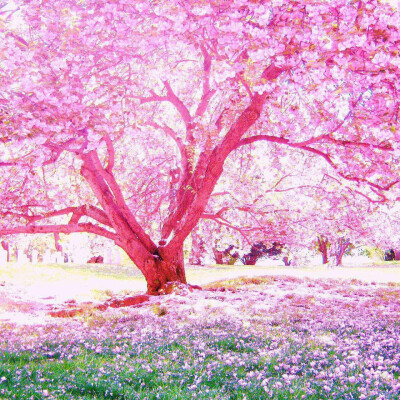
66,229
242,230
33,218
281,140
77,212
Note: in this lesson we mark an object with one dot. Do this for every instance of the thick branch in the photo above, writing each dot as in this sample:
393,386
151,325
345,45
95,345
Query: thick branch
77,212
121,204
188,212
92,212
193,209
110,197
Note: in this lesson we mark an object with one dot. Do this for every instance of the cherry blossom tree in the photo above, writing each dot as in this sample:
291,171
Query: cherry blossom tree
117,117
338,217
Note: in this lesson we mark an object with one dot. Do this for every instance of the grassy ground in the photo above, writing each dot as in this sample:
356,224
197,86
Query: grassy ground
271,337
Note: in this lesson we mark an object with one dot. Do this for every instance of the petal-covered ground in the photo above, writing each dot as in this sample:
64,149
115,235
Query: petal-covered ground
29,292
280,337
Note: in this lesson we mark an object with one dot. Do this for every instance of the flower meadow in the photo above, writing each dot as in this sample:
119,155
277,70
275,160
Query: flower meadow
249,338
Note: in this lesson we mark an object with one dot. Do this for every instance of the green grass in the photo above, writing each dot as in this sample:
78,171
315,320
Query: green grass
30,374
210,362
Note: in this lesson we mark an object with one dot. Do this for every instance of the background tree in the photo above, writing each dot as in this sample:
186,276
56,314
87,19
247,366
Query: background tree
119,116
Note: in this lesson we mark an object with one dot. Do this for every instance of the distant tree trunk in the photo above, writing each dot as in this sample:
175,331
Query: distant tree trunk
197,253
323,245
257,251
250,259
341,248
286,261
233,258
6,247
218,255
225,256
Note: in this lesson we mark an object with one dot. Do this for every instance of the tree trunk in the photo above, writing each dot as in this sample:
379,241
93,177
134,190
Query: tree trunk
162,268
249,259
6,247
286,261
339,257
218,255
225,256
323,248
197,253
342,246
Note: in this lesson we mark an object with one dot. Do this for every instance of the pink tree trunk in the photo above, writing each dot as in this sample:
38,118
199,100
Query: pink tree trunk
323,245
342,246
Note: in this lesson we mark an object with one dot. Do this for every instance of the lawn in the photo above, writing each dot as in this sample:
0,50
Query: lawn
277,336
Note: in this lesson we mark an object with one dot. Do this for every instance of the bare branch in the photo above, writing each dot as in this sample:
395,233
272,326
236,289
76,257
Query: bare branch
245,229
382,198
109,194
328,138
77,212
